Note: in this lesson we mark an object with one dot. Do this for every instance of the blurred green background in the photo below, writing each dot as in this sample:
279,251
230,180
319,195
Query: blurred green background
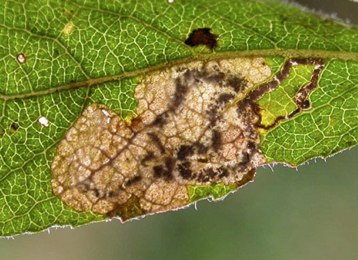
309,213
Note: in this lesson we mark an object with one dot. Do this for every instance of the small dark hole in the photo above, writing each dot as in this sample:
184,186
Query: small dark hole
202,36
14,127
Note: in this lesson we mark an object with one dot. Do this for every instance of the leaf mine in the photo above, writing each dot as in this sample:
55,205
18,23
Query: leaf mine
300,98
191,130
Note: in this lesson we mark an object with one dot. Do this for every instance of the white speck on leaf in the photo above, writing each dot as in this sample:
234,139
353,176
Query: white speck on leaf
43,121
21,58
105,112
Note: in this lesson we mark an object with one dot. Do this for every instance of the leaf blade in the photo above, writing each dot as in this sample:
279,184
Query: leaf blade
110,45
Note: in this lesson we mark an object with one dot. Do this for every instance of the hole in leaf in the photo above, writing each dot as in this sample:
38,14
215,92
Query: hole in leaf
202,36
14,127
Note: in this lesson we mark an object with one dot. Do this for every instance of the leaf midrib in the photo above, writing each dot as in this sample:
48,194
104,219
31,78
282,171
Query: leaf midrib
199,57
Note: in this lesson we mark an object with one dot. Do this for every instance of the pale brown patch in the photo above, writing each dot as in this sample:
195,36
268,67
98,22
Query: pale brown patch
188,131
68,28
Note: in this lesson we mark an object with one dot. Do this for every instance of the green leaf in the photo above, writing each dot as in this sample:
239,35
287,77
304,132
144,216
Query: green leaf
61,61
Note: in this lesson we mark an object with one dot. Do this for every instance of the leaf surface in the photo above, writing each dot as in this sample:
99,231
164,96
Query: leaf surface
58,57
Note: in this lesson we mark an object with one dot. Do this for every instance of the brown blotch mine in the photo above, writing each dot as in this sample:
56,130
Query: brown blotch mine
189,130
202,36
